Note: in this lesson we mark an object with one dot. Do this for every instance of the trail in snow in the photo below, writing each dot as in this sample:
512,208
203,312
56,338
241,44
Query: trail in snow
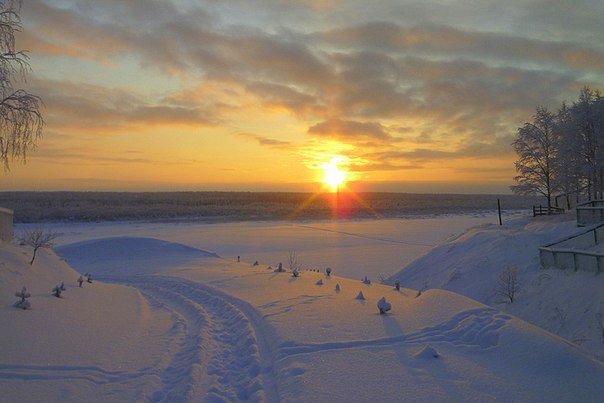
475,328
395,241
223,355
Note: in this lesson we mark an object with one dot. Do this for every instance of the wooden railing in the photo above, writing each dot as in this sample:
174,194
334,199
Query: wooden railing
543,210
589,213
563,255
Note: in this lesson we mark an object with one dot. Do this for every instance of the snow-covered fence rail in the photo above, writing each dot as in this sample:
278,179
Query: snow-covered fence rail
591,212
541,210
6,225
571,253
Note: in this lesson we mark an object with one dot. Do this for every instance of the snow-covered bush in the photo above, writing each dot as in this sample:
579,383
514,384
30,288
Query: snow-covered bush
360,295
80,281
23,303
337,287
328,271
397,285
366,280
88,277
57,291
320,282
295,273
383,306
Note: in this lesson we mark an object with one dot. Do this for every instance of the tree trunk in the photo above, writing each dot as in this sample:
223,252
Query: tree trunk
33,257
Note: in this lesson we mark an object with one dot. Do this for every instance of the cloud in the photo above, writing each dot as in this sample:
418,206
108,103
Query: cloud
265,141
85,106
347,129
399,86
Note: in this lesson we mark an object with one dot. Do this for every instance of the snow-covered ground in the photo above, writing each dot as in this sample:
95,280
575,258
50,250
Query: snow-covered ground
197,327
377,248
567,303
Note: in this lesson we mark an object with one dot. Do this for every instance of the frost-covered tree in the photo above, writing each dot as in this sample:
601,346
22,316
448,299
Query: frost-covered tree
536,149
570,169
588,123
20,119
37,239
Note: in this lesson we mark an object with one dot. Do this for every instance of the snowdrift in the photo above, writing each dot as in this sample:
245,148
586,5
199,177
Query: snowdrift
128,255
567,303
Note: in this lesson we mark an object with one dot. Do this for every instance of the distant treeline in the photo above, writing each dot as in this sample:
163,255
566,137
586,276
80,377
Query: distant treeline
242,206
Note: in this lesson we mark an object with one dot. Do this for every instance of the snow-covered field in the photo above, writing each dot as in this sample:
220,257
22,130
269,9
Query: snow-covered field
351,248
194,324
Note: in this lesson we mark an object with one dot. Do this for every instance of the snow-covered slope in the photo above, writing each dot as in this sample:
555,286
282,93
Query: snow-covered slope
81,347
568,303
210,329
122,255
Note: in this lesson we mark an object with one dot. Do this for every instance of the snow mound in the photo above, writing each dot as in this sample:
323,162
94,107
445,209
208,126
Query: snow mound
427,353
128,255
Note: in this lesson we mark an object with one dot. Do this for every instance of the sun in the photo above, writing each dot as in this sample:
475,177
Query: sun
333,175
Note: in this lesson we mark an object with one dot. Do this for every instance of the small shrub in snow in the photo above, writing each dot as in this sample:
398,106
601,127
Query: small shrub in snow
383,306
507,284
424,288
397,285
328,271
337,287
292,261
295,273
320,282
366,280
279,268
23,303
88,277
57,291
360,295
256,263
80,281
63,286
37,239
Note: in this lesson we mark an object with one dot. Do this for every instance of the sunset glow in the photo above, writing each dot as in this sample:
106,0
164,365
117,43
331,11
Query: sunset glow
334,176
207,95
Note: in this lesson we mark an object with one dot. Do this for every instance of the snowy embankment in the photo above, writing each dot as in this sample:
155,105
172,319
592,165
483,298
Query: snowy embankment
567,303
216,330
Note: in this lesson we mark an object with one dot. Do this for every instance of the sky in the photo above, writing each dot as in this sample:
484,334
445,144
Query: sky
403,96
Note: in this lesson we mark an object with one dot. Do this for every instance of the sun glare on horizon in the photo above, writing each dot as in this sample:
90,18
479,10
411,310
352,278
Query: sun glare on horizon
333,175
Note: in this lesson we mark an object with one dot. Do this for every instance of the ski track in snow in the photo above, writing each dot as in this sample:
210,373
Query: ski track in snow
223,355
476,328
92,374
228,352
